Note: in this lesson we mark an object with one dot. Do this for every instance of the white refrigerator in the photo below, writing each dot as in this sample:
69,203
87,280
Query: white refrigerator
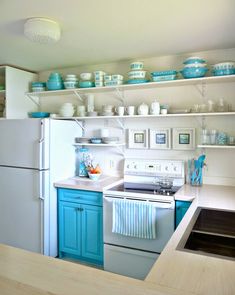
34,153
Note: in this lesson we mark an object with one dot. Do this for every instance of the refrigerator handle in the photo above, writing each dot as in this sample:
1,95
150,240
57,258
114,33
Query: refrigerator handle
41,143
41,185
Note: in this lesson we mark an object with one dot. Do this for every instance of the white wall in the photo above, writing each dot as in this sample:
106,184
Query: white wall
220,163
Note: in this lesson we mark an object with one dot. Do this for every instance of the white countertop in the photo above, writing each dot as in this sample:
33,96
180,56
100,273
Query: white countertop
84,183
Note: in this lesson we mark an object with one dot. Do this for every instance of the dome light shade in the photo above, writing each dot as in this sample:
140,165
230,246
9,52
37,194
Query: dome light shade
42,30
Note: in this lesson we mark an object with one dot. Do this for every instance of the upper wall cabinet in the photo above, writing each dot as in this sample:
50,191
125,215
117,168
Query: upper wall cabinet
13,102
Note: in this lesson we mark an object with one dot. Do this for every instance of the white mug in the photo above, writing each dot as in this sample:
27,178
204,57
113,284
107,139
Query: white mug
104,132
81,109
130,110
120,110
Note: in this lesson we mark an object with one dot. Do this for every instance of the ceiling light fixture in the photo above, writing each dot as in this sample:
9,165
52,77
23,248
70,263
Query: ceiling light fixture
42,30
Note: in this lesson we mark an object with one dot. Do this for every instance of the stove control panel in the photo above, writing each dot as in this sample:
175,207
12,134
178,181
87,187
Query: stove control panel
164,168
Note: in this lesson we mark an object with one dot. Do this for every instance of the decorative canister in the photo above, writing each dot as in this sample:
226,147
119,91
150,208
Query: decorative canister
84,160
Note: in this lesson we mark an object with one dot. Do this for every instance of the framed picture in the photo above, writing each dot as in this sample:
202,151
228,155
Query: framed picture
183,138
137,139
160,138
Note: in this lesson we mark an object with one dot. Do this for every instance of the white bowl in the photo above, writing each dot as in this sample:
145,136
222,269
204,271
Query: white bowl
136,74
137,65
224,65
99,83
86,76
71,76
116,77
70,84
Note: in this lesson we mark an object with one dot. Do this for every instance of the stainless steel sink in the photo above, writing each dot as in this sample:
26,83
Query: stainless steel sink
213,233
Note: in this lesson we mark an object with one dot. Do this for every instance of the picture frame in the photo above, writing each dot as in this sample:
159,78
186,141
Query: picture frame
183,138
160,138
137,138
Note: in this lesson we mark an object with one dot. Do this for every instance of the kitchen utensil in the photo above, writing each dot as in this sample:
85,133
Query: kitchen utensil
164,73
163,78
213,134
193,72
107,77
137,81
113,82
221,138
109,140
96,140
70,84
99,83
94,176
224,65
231,140
193,60
81,110
86,84
117,77
107,108
90,102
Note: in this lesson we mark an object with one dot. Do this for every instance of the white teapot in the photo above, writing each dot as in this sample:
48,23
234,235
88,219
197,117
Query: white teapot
155,108
143,109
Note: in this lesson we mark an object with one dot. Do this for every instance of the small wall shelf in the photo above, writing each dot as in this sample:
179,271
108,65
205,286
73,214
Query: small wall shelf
203,146
150,116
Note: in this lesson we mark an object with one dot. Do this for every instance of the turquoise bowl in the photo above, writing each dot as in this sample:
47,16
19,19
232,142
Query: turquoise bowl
192,72
39,115
86,84
55,85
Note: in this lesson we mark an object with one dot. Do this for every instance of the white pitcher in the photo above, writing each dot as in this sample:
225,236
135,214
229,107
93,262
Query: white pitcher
155,108
143,109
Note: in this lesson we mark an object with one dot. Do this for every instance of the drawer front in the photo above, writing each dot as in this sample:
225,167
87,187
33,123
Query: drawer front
80,196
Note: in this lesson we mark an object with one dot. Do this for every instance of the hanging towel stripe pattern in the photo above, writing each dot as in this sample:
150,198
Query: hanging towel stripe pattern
134,219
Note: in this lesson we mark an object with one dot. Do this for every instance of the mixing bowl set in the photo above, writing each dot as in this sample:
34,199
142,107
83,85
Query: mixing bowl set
86,80
194,67
223,68
71,81
67,110
55,82
113,80
137,74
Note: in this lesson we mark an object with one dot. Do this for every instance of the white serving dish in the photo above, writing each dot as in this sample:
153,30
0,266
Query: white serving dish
86,76
99,83
107,77
224,65
113,83
137,65
136,74
116,77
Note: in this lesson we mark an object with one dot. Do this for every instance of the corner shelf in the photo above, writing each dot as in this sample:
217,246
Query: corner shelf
203,146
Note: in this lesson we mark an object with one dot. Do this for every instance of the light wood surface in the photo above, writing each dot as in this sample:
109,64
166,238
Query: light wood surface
174,273
22,272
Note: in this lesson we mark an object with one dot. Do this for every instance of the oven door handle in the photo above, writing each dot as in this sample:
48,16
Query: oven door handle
156,204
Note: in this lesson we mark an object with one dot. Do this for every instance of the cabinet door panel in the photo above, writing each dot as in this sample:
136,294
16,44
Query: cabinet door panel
181,209
92,232
69,228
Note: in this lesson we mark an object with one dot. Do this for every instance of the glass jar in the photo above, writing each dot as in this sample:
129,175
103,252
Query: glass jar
84,159
205,136
221,138
213,134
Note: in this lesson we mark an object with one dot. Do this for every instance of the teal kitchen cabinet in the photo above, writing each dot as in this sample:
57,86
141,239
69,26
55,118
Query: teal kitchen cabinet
80,222
181,208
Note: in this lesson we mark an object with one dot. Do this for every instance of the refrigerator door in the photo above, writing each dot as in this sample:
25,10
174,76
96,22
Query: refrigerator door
24,143
22,208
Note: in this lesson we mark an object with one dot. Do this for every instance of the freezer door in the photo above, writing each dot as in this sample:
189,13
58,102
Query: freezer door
24,143
21,209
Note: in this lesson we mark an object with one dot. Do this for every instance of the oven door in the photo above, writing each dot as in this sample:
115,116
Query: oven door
164,227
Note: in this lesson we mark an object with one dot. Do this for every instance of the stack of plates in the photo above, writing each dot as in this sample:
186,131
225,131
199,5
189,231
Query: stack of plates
110,140
82,139
107,114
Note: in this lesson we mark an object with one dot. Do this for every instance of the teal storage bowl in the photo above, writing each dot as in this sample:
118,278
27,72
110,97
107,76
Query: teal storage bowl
86,84
192,72
55,85
39,115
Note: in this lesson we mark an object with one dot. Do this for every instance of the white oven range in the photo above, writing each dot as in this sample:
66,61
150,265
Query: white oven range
154,183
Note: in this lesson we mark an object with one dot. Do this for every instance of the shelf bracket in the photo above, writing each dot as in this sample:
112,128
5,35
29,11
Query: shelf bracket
121,150
120,95
120,123
201,121
78,95
32,98
81,124
202,90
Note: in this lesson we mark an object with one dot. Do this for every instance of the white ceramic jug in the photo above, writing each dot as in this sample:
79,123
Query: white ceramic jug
143,109
155,108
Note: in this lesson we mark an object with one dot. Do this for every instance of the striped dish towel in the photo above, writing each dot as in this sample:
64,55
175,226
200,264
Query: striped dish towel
134,219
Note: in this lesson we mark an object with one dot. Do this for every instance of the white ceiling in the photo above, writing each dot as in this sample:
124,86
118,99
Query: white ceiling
100,31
